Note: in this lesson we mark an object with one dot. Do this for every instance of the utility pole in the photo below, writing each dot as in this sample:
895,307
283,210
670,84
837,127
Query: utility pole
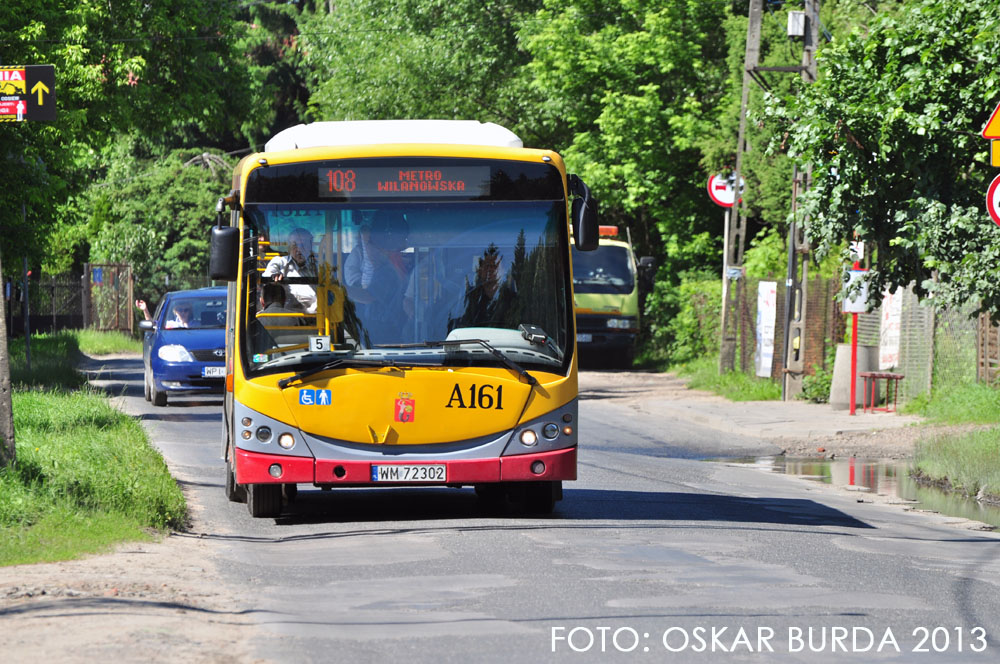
796,284
798,246
736,229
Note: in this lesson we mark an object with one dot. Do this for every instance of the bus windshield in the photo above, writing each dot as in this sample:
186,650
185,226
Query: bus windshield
384,280
607,270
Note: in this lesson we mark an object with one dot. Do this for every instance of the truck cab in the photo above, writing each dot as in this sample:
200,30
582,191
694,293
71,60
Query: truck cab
608,285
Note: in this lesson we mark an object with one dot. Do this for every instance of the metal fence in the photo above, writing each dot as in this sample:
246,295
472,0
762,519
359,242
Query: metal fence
54,303
108,293
937,348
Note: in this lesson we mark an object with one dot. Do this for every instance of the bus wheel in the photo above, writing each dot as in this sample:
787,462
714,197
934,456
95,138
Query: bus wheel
234,492
264,500
541,497
492,497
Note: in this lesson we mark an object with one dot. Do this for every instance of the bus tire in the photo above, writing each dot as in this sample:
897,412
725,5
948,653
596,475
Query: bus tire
492,497
264,500
541,497
159,396
234,492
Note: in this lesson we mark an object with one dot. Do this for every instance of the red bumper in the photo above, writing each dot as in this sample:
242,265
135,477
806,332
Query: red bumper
254,468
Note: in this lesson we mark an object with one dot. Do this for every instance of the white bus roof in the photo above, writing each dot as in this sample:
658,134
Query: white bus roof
373,132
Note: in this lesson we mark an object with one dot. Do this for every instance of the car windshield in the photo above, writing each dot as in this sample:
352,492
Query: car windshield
384,281
609,269
191,311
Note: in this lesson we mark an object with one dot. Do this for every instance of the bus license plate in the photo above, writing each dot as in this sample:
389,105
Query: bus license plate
213,372
398,472
584,338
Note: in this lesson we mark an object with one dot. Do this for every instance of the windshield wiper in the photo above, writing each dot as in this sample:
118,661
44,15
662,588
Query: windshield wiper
340,361
495,352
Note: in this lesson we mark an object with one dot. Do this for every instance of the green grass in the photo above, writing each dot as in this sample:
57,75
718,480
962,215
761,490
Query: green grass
969,462
972,403
93,342
85,477
703,374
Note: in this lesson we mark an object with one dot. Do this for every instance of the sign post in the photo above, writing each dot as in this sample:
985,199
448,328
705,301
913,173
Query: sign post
855,302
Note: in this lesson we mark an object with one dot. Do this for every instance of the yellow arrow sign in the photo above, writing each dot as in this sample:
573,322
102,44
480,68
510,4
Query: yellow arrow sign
992,128
39,88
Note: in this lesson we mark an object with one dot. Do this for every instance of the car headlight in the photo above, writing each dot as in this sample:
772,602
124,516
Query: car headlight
174,353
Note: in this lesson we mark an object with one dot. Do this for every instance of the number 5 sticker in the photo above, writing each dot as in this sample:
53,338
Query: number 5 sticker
319,344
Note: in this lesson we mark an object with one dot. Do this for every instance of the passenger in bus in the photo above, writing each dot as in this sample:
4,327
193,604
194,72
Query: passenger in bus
272,301
376,275
300,262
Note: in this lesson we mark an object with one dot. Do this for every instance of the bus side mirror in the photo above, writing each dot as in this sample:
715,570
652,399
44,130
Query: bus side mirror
225,252
647,273
585,231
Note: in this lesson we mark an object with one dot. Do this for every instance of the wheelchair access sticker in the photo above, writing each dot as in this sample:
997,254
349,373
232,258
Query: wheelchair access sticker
315,397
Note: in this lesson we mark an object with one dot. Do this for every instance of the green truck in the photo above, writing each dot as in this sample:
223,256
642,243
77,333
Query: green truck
608,287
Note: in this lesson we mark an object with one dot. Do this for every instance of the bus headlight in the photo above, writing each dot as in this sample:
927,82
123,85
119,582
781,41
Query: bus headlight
550,430
174,353
264,434
528,437
286,440
620,323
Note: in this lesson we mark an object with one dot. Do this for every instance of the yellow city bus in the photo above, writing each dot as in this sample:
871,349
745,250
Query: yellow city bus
400,312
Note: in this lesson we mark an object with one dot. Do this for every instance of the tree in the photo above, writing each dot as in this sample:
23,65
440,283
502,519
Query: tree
447,59
154,75
155,214
892,130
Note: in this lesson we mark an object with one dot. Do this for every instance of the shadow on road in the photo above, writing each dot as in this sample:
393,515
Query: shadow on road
580,506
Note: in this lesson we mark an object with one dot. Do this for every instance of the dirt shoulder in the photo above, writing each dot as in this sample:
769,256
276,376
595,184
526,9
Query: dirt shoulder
146,602
899,443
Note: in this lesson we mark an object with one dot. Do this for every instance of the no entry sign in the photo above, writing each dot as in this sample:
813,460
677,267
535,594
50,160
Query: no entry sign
721,190
993,200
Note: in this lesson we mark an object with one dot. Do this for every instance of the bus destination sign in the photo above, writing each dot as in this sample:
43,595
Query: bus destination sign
387,182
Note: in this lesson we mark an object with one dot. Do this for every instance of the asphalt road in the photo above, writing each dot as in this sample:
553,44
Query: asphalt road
654,555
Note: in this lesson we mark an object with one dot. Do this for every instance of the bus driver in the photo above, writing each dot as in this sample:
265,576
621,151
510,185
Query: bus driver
300,262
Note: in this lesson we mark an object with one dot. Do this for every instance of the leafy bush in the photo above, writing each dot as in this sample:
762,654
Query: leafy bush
684,319
816,388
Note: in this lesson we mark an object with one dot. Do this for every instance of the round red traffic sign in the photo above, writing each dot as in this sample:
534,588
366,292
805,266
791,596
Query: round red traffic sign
993,200
721,191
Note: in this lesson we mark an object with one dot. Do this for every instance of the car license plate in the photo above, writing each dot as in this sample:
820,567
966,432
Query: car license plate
213,372
584,338
398,472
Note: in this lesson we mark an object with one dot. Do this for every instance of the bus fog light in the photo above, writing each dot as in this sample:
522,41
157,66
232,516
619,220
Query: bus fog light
275,470
538,467
246,434
550,430
528,437
286,440
264,434
567,431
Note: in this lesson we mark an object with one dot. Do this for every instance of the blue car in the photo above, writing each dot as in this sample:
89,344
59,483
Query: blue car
184,349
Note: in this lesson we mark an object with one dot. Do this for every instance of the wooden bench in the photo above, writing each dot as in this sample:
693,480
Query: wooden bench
871,379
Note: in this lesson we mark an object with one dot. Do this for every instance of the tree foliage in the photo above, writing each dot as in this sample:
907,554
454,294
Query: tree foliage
892,131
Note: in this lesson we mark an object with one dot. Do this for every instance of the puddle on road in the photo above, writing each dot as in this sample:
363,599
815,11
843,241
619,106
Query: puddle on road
884,478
